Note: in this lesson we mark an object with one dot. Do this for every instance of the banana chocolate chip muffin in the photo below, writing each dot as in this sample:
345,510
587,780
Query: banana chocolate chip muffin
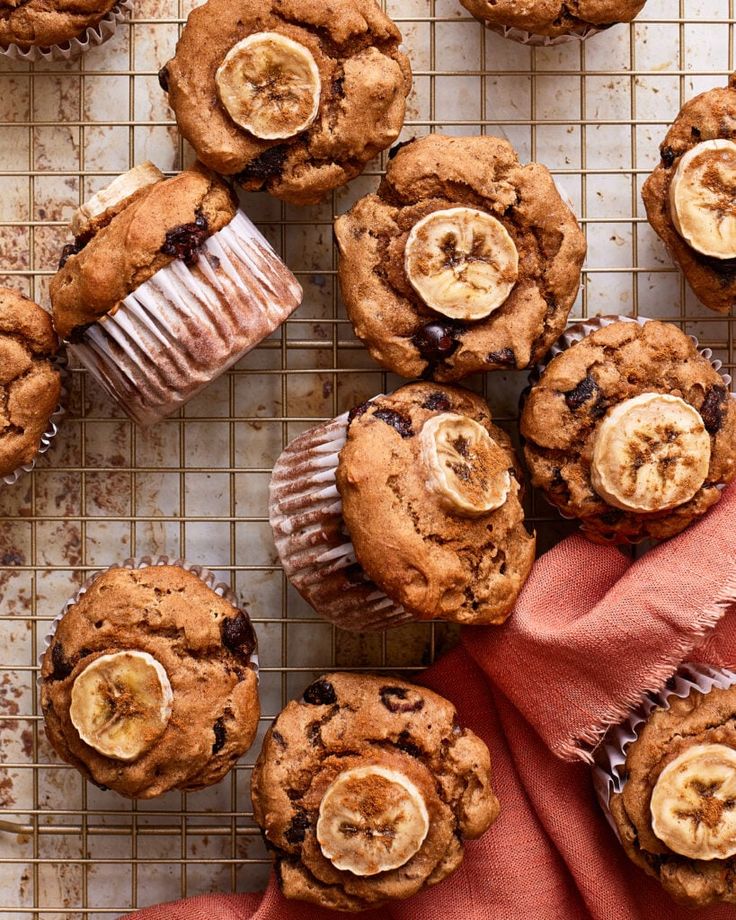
48,23
463,260
292,97
552,18
632,431
689,196
30,382
166,285
676,813
365,790
149,682
408,507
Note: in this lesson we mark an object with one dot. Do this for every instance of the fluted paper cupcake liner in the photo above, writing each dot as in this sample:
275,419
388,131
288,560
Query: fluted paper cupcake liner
73,47
52,429
312,541
186,325
609,772
523,37
143,562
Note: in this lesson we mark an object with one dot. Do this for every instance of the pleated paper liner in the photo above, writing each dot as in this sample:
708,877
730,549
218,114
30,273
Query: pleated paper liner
313,544
186,325
523,37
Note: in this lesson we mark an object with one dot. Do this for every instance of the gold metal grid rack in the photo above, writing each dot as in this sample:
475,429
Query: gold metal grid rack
196,485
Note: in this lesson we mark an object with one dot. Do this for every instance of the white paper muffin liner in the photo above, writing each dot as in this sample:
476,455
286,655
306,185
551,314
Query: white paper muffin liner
186,325
305,511
581,330
144,562
609,772
523,37
73,47
52,429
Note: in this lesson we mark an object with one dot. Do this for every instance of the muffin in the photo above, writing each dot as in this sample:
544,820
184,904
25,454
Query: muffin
365,790
688,197
463,260
56,29
631,430
149,681
669,793
406,508
553,18
30,383
291,97
166,285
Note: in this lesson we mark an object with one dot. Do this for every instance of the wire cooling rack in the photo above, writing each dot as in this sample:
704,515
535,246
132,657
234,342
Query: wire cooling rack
196,485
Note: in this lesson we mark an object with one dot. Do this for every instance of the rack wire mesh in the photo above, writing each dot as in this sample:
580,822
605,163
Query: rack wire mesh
196,485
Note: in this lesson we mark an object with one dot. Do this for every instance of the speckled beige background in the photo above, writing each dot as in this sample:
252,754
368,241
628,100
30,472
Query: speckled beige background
197,485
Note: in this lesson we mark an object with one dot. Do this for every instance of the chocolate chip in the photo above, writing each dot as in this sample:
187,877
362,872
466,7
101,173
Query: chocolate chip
320,693
396,147
580,394
238,635
713,409
668,156
263,167
505,356
163,78
278,738
357,411
297,830
396,420
695,132
184,242
400,699
62,666
71,249
436,341
437,402
405,744
220,736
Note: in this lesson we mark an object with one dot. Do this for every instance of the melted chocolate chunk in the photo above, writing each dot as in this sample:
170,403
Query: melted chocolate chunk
437,402
320,693
580,394
62,666
396,420
220,736
357,411
163,78
184,242
297,830
71,249
396,147
399,699
695,132
436,341
668,156
405,744
278,738
238,635
263,167
714,409
505,356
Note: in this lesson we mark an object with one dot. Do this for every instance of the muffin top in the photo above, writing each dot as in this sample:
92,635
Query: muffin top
631,430
688,196
676,815
431,493
554,17
127,232
149,682
463,261
30,385
356,754
42,23
338,101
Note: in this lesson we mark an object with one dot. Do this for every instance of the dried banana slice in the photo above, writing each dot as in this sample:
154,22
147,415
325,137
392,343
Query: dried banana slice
462,262
114,196
270,85
371,820
465,466
703,198
651,453
121,704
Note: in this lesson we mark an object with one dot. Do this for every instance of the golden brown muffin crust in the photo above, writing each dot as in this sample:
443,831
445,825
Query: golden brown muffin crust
709,116
30,384
554,17
365,81
169,220
205,646
347,720
437,564
42,23
431,174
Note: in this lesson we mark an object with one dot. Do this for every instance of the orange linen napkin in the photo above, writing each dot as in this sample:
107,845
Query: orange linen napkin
591,632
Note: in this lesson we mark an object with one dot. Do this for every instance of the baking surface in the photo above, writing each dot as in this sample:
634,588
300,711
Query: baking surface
196,485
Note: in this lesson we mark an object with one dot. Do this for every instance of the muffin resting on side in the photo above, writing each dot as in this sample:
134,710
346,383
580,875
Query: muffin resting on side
166,285
30,383
409,507
365,790
689,196
463,260
149,682
632,431
292,97
675,815
554,17
39,23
